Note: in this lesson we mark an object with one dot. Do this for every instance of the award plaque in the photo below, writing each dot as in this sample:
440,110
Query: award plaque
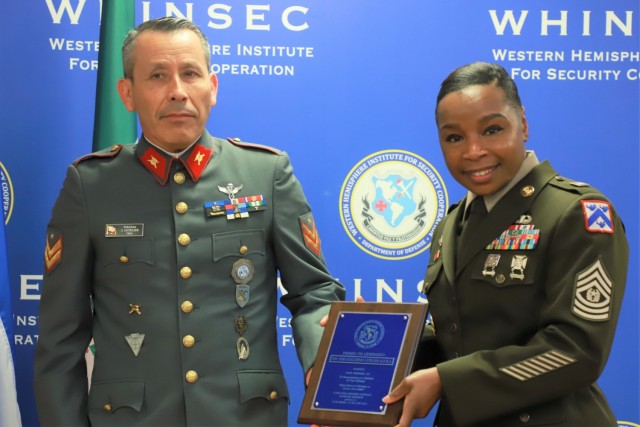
366,350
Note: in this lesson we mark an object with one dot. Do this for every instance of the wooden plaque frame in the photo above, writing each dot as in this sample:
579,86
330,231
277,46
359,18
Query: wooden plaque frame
310,415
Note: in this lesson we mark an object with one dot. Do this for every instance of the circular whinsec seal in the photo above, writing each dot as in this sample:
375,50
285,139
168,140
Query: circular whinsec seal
391,202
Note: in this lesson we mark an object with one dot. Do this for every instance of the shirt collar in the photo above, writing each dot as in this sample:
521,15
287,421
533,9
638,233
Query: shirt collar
168,153
530,161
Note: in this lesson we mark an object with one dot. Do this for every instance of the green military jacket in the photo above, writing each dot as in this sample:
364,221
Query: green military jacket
526,322
181,259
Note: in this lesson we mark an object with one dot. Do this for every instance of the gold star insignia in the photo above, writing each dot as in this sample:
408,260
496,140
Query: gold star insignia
199,157
154,162
135,308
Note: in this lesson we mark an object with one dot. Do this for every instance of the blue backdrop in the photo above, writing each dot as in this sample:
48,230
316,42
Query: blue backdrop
346,87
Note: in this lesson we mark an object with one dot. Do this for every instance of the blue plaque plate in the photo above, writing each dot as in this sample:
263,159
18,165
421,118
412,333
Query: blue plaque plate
366,350
361,362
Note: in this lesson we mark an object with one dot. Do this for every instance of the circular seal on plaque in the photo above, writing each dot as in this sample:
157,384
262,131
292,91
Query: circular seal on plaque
391,202
369,334
242,271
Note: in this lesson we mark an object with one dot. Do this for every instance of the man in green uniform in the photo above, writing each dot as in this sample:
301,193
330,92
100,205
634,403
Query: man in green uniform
525,278
178,241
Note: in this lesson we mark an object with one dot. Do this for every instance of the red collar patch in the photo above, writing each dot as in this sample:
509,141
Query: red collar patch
197,161
156,163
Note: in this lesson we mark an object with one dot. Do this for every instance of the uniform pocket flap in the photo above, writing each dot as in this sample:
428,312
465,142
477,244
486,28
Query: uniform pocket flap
269,385
109,396
505,268
126,252
236,243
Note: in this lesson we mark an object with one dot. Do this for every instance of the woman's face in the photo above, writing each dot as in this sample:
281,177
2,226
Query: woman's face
482,137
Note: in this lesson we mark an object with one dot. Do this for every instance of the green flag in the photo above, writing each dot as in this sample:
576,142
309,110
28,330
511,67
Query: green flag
113,123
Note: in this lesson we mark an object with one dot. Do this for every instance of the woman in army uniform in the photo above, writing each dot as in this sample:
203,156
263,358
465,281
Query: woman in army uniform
525,277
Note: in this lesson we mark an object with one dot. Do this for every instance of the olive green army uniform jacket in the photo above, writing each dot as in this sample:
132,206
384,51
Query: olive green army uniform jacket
526,320
180,258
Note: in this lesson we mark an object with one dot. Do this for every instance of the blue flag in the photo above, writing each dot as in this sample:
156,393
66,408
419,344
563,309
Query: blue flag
9,412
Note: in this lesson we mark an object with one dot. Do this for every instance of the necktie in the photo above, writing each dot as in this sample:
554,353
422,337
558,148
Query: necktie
474,214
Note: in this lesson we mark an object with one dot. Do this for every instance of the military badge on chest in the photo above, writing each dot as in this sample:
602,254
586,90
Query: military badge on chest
242,345
520,236
234,207
242,270
242,273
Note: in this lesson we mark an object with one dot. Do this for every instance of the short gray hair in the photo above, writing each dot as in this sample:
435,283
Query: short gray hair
167,24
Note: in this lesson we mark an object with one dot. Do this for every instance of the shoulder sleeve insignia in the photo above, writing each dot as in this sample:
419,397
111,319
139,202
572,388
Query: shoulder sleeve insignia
538,365
238,142
598,217
592,293
112,151
310,233
53,250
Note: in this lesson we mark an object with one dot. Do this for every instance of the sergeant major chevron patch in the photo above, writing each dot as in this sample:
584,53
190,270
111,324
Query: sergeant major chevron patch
592,293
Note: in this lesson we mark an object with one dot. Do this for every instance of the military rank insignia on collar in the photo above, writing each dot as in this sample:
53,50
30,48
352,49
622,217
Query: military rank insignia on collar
234,207
598,217
197,161
156,163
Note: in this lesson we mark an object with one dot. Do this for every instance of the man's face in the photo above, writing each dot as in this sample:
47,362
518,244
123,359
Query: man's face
482,137
171,90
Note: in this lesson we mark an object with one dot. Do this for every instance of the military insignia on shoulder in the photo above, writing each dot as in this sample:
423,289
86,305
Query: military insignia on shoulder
597,216
112,151
579,184
570,185
241,143
310,233
53,250
592,293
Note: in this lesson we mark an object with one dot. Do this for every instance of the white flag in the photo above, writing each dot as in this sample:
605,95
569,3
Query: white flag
9,411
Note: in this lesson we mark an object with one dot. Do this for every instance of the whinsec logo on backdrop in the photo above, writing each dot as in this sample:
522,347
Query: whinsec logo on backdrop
7,193
391,202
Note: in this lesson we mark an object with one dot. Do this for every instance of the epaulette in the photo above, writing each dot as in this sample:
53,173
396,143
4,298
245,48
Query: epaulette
570,185
240,143
112,151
